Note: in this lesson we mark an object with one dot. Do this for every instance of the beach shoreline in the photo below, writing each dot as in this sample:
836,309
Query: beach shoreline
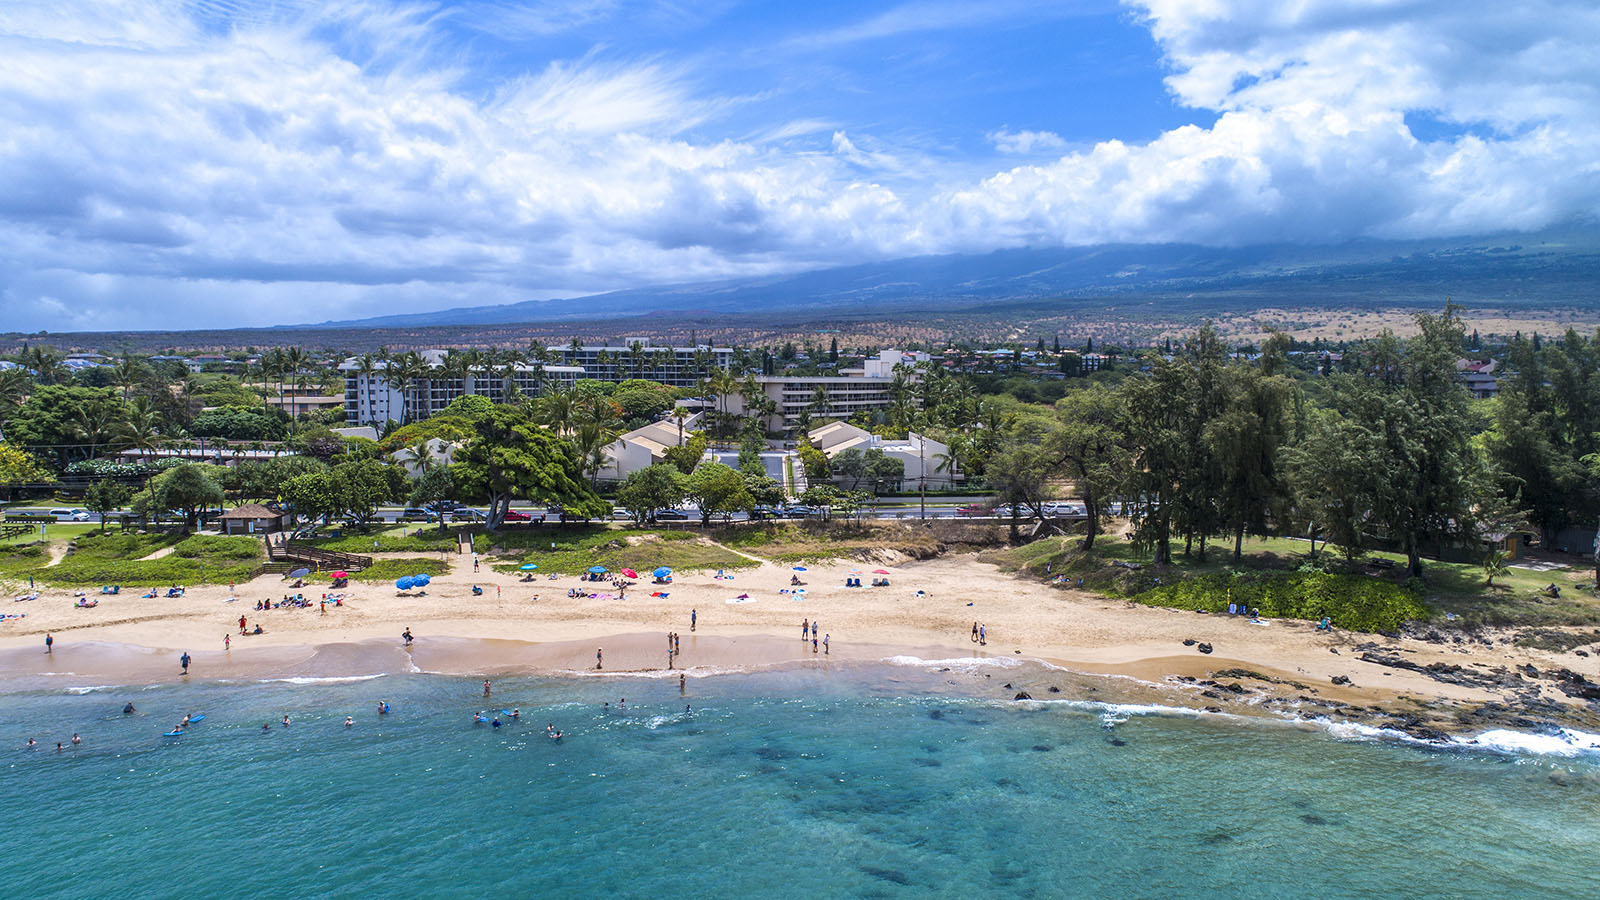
533,627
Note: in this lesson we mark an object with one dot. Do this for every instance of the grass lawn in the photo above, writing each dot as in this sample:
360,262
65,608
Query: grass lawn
392,569
64,531
93,559
414,538
818,541
1449,587
576,549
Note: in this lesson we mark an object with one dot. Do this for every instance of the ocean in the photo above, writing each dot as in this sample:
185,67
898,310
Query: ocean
857,781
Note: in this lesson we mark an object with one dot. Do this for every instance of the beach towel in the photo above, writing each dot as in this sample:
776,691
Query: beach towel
735,601
662,594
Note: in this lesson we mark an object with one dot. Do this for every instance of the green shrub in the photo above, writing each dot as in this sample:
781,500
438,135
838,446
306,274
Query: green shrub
218,548
393,569
1353,602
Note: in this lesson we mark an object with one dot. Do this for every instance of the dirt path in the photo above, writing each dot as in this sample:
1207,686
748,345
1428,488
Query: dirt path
164,551
58,552
749,556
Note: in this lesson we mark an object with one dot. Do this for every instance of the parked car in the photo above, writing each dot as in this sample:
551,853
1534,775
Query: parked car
514,516
463,514
74,515
415,514
1003,511
799,511
763,512
671,515
441,506
975,509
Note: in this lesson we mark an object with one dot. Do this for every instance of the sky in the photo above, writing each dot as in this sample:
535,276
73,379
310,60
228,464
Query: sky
229,163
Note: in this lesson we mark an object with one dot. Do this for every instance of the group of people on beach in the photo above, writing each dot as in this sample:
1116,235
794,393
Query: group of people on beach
980,633
808,630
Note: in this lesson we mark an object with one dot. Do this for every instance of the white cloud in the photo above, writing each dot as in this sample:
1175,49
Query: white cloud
157,170
1025,142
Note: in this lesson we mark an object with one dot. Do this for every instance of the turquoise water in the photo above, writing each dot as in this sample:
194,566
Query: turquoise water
786,784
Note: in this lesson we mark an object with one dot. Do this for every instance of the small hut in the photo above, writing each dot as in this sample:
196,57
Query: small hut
251,518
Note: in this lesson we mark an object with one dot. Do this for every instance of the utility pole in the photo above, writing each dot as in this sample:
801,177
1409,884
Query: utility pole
922,473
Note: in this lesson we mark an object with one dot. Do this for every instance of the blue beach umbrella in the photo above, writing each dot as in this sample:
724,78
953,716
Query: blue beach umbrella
421,580
662,572
528,567
598,570
403,584
799,568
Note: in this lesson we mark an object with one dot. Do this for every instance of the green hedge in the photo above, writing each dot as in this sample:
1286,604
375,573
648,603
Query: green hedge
1353,602
217,548
393,569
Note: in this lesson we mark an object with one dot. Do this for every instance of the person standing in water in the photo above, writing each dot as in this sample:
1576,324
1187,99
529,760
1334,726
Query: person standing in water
227,642
486,687
406,636
824,644
805,629
49,644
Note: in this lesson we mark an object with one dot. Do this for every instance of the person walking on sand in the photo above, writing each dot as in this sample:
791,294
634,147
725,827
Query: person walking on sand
824,645
241,624
983,634
813,642
692,616
185,660
974,632
227,642
49,644
599,657
805,629
474,565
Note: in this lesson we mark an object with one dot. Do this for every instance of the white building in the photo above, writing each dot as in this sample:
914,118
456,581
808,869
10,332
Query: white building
638,358
646,446
871,387
440,452
922,456
373,399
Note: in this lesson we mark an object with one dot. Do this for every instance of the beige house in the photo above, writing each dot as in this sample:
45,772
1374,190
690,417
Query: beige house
645,446
922,456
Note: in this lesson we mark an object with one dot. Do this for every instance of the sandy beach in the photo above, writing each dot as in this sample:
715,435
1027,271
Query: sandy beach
532,625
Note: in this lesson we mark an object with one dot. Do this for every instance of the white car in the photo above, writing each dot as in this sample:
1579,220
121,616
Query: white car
73,515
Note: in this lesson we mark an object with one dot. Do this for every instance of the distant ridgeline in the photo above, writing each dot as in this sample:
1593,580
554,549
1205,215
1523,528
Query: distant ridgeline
959,296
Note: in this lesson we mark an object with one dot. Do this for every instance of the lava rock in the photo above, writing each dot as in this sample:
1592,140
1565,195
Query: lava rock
1189,642
1204,648
1023,695
1341,679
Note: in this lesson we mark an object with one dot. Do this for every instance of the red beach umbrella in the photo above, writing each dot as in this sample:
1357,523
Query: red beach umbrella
630,573
880,571
341,575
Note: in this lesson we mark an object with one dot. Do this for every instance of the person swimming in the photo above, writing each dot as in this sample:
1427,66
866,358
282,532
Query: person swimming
383,707
516,713
349,721
128,710
496,722
479,719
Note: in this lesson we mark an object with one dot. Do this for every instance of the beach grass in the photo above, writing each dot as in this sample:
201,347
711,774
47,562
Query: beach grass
92,559
577,549
1455,589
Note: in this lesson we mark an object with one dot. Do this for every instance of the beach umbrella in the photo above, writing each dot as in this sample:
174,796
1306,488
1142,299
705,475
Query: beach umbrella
527,567
630,573
799,568
403,584
341,575
880,571
421,579
598,570
299,573
662,572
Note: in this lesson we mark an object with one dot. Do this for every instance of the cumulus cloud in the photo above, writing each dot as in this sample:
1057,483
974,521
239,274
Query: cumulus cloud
157,169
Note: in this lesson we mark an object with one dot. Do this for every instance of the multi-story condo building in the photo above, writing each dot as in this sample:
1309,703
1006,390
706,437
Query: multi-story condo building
374,397
871,387
638,358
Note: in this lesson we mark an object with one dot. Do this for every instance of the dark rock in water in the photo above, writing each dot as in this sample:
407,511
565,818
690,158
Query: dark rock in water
1042,748
1235,688
894,876
1054,689
775,753
1204,648
1341,679
935,713
928,763
1117,742
1213,709
1189,642
1005,783
1212,694
1185,678
1007,685
1310,819
1023,695
1574,685
1216,837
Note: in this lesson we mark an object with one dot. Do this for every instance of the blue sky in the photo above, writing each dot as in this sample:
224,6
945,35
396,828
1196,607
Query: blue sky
217,163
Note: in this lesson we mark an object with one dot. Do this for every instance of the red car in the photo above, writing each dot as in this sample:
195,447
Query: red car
514,516
975,509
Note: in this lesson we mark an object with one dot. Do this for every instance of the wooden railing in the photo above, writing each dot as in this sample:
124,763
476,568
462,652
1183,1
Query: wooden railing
290,551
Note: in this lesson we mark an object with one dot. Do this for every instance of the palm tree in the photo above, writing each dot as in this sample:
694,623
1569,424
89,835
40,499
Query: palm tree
125,374
366,369
14,389
557,409
92,427
636,355
45,363
420,454
141,428
1494,566
591,440
680,413
294,360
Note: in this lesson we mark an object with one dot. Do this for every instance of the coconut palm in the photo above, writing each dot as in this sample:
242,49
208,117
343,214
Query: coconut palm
140,429
420,455
125,374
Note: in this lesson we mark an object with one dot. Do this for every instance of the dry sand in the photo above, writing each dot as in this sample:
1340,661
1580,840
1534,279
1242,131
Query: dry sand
532,625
